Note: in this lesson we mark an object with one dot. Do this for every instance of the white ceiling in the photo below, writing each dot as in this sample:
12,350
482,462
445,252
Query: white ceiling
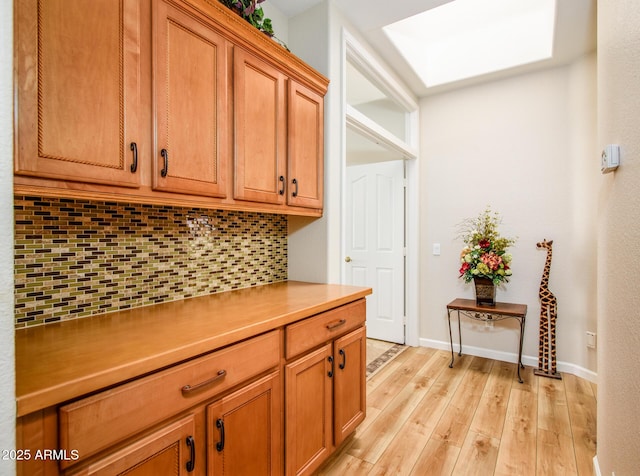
575,33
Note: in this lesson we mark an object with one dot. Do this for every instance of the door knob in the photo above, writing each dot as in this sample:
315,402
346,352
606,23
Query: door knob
347,259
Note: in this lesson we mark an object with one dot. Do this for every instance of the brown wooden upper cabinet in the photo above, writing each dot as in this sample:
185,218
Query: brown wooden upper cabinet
260,130
191,106
176,102
279,136
78,81
306,147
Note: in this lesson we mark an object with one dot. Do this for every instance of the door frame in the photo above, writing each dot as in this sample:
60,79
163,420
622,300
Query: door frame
355,52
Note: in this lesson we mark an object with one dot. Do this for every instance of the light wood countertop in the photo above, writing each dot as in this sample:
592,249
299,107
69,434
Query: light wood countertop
65,360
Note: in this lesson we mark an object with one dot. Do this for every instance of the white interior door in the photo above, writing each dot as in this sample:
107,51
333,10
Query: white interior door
375,244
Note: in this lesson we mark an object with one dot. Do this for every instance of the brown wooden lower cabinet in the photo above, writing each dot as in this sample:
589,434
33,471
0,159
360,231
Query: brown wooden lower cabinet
278,403
325,400
308,397
349,384
244,431
168,451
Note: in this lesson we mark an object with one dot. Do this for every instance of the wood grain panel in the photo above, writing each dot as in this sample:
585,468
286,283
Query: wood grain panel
349,392
94,423
553,413
252,430
455,422
191,104
517,453
522,446
477,456
306,147
555,453
162,452
306,335
107,350
308,411
260,130
78,86
371,446
492,409
437,458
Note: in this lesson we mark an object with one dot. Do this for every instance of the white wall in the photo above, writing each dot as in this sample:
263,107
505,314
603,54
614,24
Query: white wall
314,252
7,365
308,254
619,239
526,147
279,21
535,132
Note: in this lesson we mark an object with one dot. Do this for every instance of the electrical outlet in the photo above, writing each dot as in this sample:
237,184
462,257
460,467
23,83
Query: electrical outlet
591,340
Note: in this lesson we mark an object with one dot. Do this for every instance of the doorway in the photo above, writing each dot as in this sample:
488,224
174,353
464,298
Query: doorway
374,244
380,174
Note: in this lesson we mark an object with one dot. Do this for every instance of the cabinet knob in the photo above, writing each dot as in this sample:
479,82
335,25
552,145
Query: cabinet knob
347,259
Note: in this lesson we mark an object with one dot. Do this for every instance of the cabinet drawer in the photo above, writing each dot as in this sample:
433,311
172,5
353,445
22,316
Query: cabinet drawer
99,421
309,333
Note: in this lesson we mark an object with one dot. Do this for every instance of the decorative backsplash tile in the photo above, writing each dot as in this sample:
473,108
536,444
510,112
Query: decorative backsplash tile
76,258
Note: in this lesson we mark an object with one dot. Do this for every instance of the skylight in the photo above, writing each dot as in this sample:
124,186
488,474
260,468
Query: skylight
466,38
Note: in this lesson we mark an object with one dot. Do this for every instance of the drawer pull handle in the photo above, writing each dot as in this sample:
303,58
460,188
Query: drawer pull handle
330,373
189,388
335,325
220,426
191,464
295,192
281,191
344,359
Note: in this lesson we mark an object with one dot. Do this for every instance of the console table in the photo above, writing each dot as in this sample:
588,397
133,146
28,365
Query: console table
498,312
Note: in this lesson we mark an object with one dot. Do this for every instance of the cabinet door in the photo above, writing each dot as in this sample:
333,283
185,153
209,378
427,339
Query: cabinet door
308,411
349,383
78,82
244,431
190,104
168,451
260,130
306,147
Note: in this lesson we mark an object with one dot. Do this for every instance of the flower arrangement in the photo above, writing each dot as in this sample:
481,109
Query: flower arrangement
485,252
252,12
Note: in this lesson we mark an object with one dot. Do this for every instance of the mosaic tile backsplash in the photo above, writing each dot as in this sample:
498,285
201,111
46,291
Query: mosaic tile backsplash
76,258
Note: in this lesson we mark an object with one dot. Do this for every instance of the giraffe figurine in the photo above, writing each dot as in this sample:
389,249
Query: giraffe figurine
548,315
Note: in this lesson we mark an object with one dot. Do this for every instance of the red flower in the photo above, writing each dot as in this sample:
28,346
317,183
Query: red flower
484,243
464,268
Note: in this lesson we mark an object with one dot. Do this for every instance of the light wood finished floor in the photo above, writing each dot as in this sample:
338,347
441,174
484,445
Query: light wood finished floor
424,418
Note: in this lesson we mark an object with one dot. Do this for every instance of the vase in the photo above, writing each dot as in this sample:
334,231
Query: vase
485,292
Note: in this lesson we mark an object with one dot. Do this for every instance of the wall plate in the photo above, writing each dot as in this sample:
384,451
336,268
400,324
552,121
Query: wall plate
610,158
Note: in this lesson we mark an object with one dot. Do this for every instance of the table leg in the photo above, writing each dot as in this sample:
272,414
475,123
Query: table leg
450,337
520,365
459,336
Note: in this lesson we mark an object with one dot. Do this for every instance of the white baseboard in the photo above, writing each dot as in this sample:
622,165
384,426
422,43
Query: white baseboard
596,466
531,361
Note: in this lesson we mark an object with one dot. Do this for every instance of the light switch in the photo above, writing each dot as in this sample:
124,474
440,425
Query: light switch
436,249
